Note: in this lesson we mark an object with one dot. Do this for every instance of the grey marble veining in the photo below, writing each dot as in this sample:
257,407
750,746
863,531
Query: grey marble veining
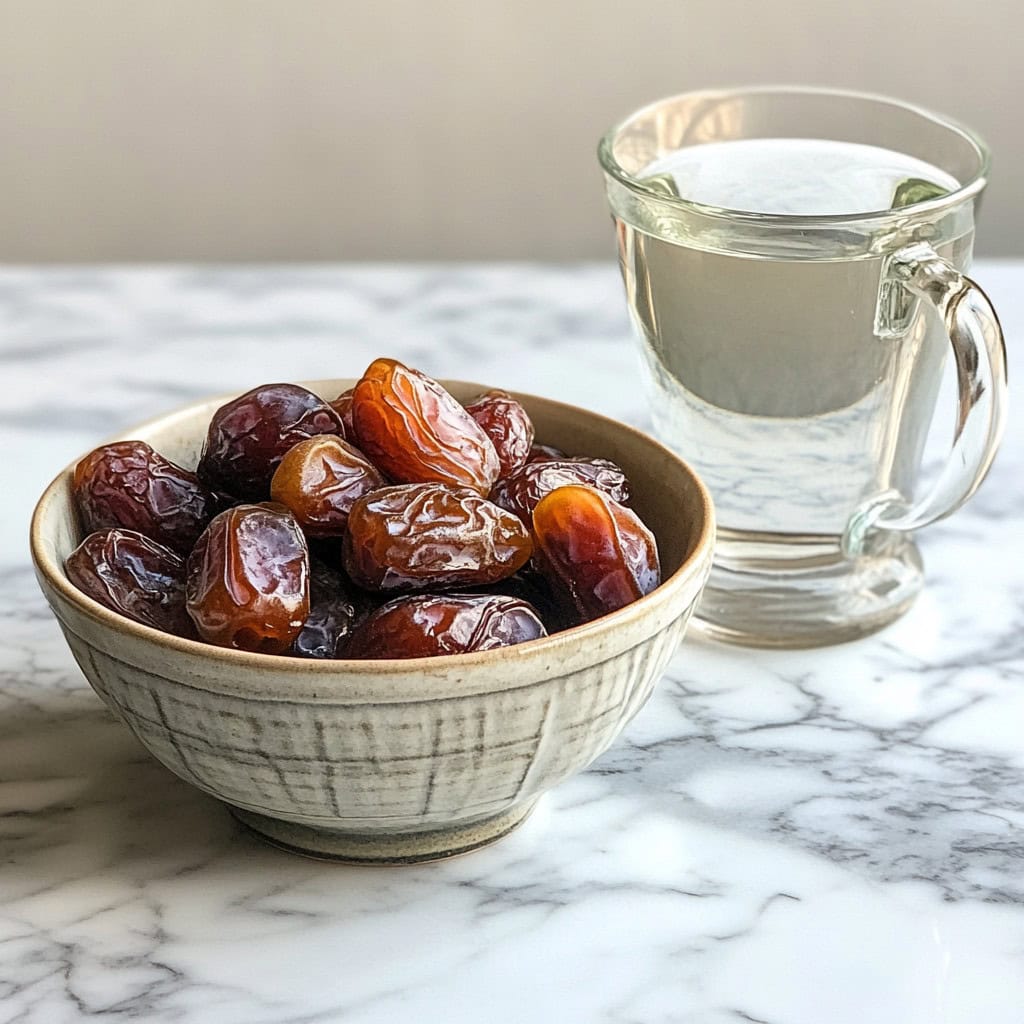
779,837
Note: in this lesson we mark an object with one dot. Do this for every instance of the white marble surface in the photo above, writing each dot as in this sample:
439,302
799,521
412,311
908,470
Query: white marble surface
827,837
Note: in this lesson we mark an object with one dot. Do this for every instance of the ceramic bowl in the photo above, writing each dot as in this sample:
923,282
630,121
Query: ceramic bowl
390,761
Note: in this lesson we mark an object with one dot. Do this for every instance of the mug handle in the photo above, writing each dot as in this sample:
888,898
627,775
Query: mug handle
979,352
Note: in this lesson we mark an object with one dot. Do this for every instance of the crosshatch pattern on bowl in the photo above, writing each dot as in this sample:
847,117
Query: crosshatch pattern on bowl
472,755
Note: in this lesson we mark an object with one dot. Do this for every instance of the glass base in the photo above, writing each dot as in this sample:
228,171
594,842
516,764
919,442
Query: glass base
792,591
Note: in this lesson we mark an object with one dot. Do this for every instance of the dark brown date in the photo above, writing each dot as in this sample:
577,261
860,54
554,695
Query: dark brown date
415,432
320,479
247,581
522,490
546,453
599,554
426,626
432,536
127,484
334,610
507,424
342,405
555,611
249,436
135,576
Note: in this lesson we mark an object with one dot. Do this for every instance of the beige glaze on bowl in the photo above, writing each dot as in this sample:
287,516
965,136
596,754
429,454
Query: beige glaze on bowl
400,760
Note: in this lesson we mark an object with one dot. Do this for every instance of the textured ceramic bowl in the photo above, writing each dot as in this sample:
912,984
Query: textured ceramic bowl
391,761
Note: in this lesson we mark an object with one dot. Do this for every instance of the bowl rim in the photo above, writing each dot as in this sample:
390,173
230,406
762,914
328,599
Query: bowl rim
697,561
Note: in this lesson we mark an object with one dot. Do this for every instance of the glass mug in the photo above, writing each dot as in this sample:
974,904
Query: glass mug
796,360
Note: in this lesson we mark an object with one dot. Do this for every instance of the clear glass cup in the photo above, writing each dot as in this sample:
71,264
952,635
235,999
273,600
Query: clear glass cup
795,361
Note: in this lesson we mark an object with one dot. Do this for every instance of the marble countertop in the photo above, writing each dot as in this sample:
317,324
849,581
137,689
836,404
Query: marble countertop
823,837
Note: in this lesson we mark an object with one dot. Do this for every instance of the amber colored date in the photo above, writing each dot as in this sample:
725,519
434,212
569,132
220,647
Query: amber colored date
320,479
507,424
250,435
334,610
133,575
522,490
432,536
595,551
127,484
247,579
415,432
426,626
342,405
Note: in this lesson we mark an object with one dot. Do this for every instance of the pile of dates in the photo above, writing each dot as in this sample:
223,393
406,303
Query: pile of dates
392,522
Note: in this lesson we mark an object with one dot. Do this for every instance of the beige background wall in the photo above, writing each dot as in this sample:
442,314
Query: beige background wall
308,129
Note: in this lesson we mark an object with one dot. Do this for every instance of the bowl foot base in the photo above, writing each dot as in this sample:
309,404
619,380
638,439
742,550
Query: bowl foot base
382,847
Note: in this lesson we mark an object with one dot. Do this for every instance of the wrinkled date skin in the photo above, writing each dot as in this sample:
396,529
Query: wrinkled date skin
320,479
522,490
334,610
415,432
432,536
545,453
135,576
507,424
427,626
247,580
529,585
593,550
129,485
342,405
249,436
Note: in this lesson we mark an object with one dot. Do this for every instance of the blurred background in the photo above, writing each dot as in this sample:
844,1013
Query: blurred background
423,129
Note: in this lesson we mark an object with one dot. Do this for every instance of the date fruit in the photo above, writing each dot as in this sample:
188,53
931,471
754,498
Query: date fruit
320,479
599,554
474,534
531,586
127,484
334,610
249,436
432,536
546,453
135,576
522,490
507,424
342,405
426,626
415,432
247,579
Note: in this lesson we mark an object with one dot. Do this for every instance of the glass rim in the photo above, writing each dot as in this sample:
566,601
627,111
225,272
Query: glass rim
967,190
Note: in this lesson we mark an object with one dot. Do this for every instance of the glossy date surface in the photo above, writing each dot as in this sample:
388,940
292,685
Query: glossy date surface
335,608
593,550
432,536
247,579
416,432
555,609
397,488
249,436
129,485
133,575
320,479
545,453
342,405
522,490
426,626
507,424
